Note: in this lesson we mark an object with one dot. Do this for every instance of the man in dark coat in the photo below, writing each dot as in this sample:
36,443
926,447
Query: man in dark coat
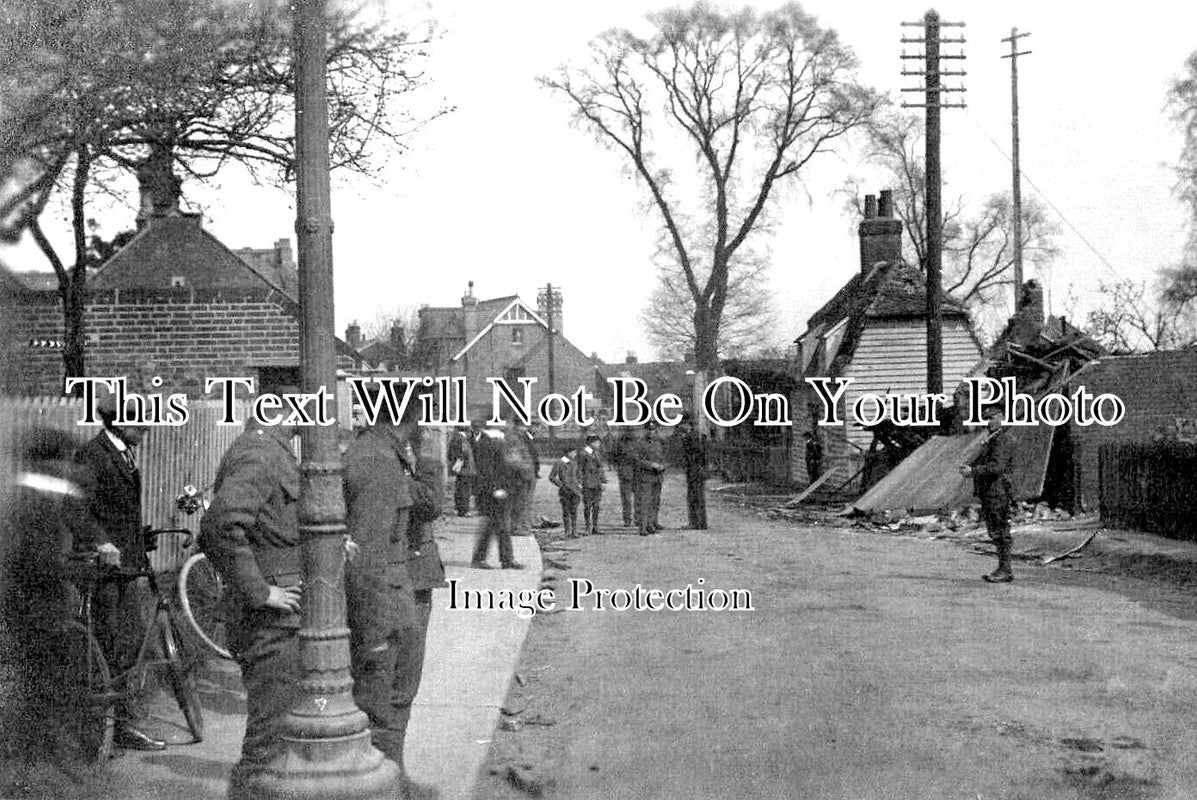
111,525
592,475
990,472
251,535
623,457
523,438
503,471
694,452
463,467
649,459
564,475
383,500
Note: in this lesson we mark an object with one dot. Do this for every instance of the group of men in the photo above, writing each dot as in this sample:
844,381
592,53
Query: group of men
639,460
250,533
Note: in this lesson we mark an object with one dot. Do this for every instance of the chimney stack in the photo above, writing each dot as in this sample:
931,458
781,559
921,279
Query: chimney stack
1029,317
469,313
160,187
353,335
398,340
880,232
631,359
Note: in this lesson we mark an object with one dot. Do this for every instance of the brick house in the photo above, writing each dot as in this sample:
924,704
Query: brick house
502,337
174,303
1157,389
383,353
873,330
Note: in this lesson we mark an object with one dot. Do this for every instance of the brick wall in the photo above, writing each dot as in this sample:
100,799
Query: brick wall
1158,391
181,339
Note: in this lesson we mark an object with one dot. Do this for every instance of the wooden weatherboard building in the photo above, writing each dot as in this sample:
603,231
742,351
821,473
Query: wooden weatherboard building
874,331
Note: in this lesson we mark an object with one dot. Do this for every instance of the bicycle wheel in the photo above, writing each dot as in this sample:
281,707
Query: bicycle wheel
87,696
182,678
204,602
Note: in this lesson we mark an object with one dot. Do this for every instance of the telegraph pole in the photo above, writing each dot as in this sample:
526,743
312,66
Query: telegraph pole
326,751
934,91
1013,56
549,298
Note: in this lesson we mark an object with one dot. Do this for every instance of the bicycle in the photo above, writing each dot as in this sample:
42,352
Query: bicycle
93,686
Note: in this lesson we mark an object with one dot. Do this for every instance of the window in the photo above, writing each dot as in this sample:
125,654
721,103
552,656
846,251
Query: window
517,336
177,281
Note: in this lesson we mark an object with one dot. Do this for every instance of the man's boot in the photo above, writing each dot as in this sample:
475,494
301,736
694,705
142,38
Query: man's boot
1003,574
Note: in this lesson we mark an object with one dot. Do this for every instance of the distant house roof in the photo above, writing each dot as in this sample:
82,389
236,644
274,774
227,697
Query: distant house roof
675,377
514,310
888,291
176,252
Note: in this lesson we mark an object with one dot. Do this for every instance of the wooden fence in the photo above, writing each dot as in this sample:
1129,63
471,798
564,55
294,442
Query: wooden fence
1149,487
752,463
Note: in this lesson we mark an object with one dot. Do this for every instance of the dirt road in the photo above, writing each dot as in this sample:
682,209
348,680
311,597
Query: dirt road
872,666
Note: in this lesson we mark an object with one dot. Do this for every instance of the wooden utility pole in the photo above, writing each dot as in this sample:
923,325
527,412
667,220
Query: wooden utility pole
1013,56
933,91
326,750
549,298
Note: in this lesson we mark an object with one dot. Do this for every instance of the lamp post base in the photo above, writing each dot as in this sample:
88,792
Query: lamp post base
340,768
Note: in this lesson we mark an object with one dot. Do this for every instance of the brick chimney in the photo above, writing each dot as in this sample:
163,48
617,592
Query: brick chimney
398,340
469,313
353,335
160,187
1029,317
631,359
880,232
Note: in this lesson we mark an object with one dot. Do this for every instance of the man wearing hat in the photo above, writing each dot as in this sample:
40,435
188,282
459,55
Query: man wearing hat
694,451
564,475
463,467
623,451
990,472
649,458
111,525
592,476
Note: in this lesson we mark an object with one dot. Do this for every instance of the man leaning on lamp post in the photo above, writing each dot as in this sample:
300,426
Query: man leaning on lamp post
990,472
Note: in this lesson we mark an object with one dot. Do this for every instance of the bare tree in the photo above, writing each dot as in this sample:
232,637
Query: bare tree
749,320
1134,320
978,244
1182,104
753,97
146,85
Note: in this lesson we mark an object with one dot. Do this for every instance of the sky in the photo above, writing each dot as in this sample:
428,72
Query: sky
506,192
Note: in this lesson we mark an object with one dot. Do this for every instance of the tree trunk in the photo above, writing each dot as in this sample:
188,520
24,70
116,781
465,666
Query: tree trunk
706,340
74,290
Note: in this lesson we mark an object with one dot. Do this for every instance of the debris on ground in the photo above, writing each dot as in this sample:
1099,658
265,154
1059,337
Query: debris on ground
530,780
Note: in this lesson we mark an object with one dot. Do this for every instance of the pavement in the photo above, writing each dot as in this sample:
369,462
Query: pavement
470,660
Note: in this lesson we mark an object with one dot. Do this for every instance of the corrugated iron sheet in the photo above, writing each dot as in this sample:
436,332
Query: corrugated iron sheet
169,458
929,478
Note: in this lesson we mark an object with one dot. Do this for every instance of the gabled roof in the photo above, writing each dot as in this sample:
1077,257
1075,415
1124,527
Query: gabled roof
170,248
889,291
675,377
514,303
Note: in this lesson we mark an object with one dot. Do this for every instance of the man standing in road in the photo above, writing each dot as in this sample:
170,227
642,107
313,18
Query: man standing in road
694,451
251,535
387,627
503,472
623,457
649,458
990,472
463,467
564,475
111,525
592,476
523,438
